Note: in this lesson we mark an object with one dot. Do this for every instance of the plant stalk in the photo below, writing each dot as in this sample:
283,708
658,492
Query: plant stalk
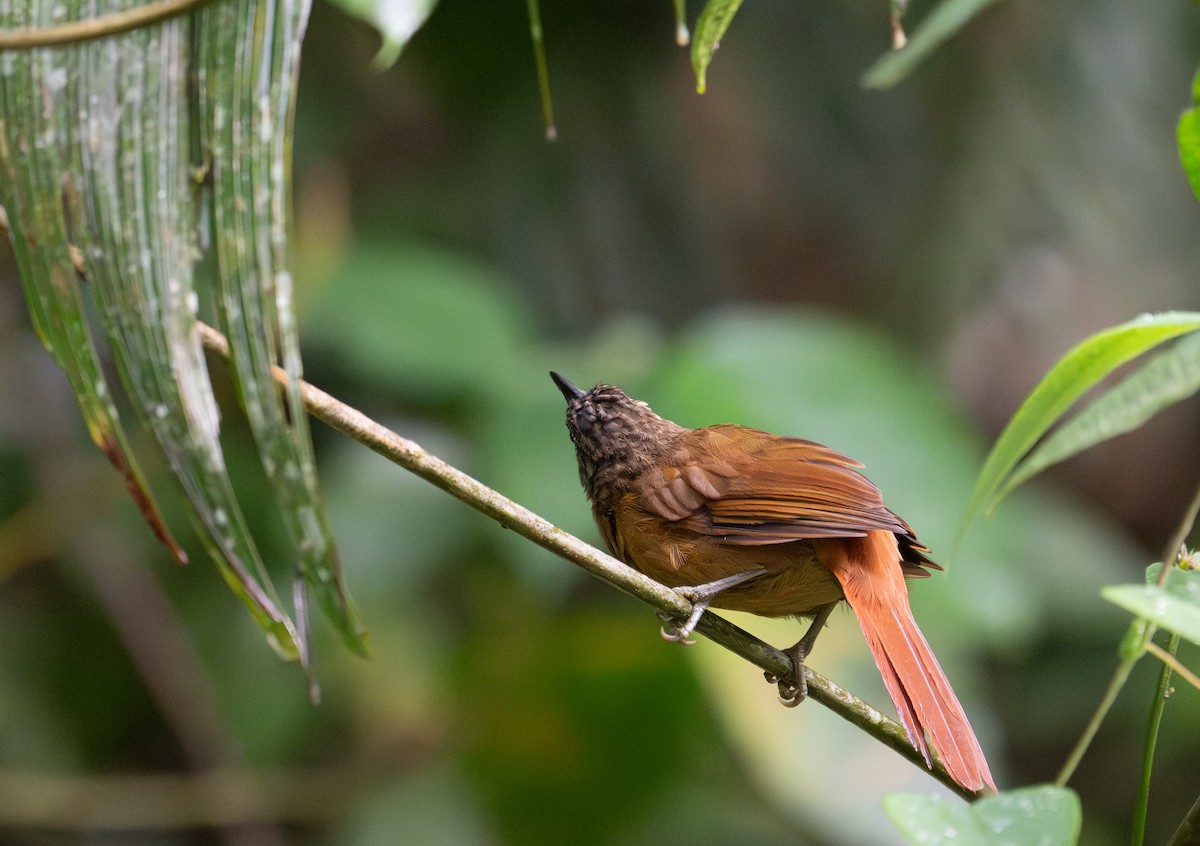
1161,692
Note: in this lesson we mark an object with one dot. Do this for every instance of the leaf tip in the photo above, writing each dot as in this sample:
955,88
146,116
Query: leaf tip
387,56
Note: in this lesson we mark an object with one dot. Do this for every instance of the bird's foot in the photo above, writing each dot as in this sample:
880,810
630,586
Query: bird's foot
700,596
792,694
677,632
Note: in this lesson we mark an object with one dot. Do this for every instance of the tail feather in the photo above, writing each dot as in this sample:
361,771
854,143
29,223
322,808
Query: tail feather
873,582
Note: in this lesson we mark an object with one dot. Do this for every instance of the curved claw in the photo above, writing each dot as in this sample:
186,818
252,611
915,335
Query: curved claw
676,636
676,633
679,633
790,696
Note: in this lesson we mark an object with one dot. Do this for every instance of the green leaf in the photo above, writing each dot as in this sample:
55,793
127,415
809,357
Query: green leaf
119,200
241,43
1174,606
1047,816
43,204
396,21
936,28
1076,373
1164,380
1187,134
107,193
710,29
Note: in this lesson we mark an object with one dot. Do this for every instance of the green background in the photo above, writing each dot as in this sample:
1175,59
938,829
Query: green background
888,273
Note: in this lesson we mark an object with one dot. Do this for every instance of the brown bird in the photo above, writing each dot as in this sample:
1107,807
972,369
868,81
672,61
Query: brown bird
739,518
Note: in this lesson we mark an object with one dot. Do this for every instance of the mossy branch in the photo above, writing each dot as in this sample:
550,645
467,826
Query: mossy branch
521,520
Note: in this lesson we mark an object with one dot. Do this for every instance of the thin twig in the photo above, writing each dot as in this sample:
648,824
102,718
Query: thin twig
543,72
97,27
524,522
1169,660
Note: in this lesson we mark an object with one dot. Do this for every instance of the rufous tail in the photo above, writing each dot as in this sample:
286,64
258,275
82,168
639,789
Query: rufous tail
869,571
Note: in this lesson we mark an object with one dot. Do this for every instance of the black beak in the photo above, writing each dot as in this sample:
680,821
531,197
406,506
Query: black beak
569,391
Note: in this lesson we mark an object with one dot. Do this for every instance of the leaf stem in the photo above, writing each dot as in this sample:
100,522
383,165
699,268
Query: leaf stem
97,27
682,36
543,71
1161,692
524,522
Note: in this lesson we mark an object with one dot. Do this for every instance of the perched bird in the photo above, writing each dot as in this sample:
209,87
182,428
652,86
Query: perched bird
739,518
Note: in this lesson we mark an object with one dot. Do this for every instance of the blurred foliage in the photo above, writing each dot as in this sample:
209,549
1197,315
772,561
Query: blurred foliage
886,273
1046,815
941,23
710,29
1155,384
395,20
1188,133
1174,605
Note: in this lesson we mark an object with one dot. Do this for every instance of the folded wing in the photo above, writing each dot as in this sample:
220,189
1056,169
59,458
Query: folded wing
745,487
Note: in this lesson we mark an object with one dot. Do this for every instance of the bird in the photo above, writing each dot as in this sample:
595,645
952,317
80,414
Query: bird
738,518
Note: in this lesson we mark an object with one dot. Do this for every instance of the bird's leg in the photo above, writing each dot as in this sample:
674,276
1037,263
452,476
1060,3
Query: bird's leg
792,695
700,596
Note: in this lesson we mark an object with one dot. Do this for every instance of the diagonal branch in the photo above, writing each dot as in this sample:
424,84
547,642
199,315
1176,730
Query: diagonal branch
524,522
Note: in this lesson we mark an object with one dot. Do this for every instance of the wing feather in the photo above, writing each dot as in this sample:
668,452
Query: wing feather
791,489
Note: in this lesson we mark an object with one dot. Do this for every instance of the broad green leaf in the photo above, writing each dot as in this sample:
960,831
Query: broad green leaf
1076,373
1030,816
1187,134
116,202
135,231
396,21
243,42
41,201
107,193
935,29
1174,606
1164,380
710,29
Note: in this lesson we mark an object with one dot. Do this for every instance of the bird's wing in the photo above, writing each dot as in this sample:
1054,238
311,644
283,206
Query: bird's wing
747,487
